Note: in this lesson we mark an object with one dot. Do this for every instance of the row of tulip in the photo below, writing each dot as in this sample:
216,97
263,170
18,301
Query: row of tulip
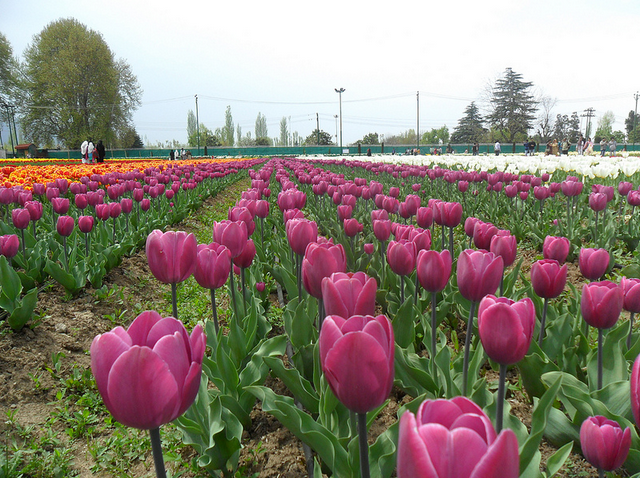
74,232
343,360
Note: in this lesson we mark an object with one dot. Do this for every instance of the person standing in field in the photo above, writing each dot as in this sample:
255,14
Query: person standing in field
83,151
101,151
612,146
497,148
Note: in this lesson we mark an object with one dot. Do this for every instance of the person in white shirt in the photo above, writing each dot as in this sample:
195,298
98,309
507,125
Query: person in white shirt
90,148
496,148
83,150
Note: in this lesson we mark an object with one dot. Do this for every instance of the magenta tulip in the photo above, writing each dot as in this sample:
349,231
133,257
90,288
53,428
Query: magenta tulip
604,444
593,263
556,248
401,256
450,213
421,238
482,234
479,274
262,208
35,209
352,227
357,358
506,328
344,212
213,263
381,229
631,290
81,201
149,374
601,304
368,248
597,201
347,294
65,225
301,232
320,261
244,260
60,205
9,245
85,224
433,269
548,278
424,217
454,439
504,244
171,255
233,234
635,389
20,218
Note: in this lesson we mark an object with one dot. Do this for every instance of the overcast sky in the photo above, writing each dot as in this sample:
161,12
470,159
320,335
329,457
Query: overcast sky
284,58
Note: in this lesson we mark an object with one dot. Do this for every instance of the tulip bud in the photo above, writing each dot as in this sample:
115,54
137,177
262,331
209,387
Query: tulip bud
548,278
64,226
479,273
593,263
601,304
171,255
357,358
85,224
9,245
213,264
347,294
556,248
433,269
604,444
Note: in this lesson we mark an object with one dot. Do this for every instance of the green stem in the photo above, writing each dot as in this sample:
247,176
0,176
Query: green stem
66,254
86,244
500,399
630,331
215,312
233,291
599,359
174,299
433,332
156,447
542,322
364,445
451,241
401,289
467,347
244,291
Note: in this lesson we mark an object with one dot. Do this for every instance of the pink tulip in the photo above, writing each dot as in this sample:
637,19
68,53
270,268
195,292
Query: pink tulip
450,213
357,358
60,205
504,244
604,444
245,258
479,274
321,259
482,234
597,201
556,248
171,255
506,328
635,389
548,278
601,304
424,217
233,234
593,263
381,229
20,218
352,227
631,291
149,374
65,225
401,256
347,294
85,224
300,232
213,264
368,248
9,245
433,269
454,439
35,209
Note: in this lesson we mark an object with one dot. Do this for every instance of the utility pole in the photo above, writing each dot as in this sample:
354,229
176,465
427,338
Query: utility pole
635,119
588,113
418,120
197,126
317,130
340,91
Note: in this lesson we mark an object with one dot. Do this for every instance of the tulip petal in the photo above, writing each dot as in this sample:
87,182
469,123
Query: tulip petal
501,459
413,458
140,327
365,384
198,344
190,387
333,301
142,391
105,350
166,326
465,451
329,334
173,350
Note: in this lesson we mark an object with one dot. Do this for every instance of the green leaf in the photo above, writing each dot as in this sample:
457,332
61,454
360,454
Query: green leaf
404,323
24,311
298,385
557,460
11,285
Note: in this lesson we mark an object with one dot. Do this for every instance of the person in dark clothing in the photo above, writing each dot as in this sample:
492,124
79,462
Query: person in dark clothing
101,151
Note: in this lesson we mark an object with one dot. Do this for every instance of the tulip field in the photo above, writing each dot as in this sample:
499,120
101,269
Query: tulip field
465,318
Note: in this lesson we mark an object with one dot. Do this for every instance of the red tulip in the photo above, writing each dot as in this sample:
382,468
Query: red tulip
347,294
454,439
401,256
321,259
433,269
149,374
593,263
506,328
479,274
213,264
604,444
357,358
171,255
601,304
556,248
548,278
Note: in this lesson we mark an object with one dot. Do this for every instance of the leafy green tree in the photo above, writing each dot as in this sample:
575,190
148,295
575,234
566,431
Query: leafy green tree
318,137
436,136
192,129
561,127
75,88
284,132
605,126
207,137
632,127
129,138
371,138
470,127
406,138
513,107
261,127
228,130
263,141
8,66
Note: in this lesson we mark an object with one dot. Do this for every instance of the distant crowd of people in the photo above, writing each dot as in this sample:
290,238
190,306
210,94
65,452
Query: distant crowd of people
182,154
583,147
91,153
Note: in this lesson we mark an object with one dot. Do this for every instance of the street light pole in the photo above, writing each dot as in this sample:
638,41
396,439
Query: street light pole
197,126
340,91
635,116
336,117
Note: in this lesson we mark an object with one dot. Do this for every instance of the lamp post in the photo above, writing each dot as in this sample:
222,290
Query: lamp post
336,117
340,91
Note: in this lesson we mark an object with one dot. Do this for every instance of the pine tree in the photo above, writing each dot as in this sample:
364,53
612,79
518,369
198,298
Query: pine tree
513,107
470,127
